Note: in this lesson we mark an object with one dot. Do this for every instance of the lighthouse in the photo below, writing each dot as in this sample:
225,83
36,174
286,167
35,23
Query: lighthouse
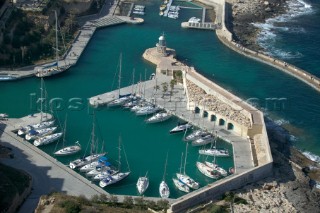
161,46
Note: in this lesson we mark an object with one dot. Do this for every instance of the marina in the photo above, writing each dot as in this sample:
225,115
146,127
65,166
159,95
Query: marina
178,107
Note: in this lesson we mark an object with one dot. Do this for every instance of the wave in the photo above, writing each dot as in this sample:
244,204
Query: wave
312,156
268,31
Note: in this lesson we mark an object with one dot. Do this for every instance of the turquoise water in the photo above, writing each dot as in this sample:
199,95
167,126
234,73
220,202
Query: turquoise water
146,145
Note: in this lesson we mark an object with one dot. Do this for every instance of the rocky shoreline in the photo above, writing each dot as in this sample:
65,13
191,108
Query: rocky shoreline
244,13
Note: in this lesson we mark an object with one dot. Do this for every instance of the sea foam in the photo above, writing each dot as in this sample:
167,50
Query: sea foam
268,30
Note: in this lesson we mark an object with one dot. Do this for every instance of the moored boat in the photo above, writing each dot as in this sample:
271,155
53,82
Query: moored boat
69,150
47,139
147,110
33,134
41,125
159,117
113,179
215,152
203,140
142,184
216,167
181,186
207,171
164,190
195,135
181,127
85,160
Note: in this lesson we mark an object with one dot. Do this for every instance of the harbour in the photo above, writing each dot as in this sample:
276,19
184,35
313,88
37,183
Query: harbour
122,115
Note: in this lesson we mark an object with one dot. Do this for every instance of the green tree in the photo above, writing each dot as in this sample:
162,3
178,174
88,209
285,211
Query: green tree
113,200
164,88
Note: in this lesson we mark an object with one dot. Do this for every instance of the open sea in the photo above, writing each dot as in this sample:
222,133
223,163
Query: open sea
293,38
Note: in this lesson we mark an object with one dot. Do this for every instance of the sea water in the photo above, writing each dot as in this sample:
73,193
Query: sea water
146,145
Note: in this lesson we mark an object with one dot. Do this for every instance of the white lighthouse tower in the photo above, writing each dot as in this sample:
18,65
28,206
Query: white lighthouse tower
161,46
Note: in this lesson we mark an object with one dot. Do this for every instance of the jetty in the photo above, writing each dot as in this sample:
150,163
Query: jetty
90,24
208,106
47,173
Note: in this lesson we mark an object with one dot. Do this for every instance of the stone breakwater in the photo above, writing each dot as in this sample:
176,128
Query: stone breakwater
212,103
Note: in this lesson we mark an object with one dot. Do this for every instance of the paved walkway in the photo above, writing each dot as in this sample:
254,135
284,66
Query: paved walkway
177,104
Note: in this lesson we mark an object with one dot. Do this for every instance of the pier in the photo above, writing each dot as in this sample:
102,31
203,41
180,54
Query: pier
48,174
91,23
208,106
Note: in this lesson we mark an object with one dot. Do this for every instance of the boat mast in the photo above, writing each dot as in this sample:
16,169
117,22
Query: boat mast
57,53
119,158
41,97
92,135
165,168
119,76
185,159
181,162
132,81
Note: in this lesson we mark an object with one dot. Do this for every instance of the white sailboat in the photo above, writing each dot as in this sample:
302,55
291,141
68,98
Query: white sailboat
159,117
33,133
181,186
163,188
99,169
47,139
53,68
121,99
184,178
181,127
111,179
147,110
90,158
203,140
195,135
216,167
214,151
142,184
43,123
91,166
207,171
69,150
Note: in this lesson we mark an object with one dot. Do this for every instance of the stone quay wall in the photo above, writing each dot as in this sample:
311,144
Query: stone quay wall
226,38
217,189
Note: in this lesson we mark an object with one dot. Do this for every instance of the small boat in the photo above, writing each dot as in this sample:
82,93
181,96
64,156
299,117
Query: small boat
105,174
194,20
99,169
181,186
164,190
91,166
3,116
131,104
113,179
7,77
187,181
231,170
203,140
47,139
161,13
42,125
216,167
159,117
119,101
215,152
147,110
33,134
142,184
181,127
137,12
163,7
195,135
69,150
85,160
207,171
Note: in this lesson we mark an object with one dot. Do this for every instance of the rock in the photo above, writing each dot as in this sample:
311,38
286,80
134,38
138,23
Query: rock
268,9
266,3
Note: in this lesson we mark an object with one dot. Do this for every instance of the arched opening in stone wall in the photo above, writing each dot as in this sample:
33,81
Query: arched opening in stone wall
213,118
221,122
230,126
205,114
